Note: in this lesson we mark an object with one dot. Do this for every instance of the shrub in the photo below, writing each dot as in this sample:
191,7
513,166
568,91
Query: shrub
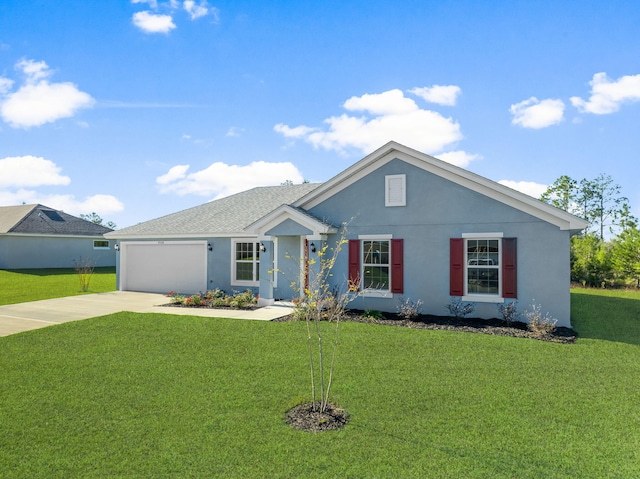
216,298
242,300
509,311
538,323
177,298
372,315
84,270
214,294
303,309
195,300
459,309
408,309
223,301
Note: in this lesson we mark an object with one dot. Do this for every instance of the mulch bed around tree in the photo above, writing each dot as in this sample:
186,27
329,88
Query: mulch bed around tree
496,327
304,418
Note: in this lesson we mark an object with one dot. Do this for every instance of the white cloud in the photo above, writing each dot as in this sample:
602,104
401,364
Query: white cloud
5,85
152,22
536,114
101,204
527,187
39,101
607,96
387,116
160,16
235,132
458,158
296,132
33,70
30,171
175,173
439,94
152,3
19,173
220,179
196,10
392,102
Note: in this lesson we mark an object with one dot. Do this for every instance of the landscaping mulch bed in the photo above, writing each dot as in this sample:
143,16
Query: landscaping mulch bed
496,327
210,306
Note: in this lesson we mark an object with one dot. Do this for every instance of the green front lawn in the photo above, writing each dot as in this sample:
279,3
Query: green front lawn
616,316
19,286
151,395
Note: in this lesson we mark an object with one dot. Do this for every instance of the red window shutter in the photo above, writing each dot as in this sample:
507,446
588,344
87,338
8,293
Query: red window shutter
456,267
509,268
354,265
397,266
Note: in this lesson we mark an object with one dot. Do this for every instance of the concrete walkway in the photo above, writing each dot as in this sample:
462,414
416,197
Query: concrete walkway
15,318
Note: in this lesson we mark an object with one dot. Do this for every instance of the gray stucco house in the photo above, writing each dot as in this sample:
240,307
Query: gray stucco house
36,236
418,228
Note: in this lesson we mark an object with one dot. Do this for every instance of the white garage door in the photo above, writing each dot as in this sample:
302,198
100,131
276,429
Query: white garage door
163,266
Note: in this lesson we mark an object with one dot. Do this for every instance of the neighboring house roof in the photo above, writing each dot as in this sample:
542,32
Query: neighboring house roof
224,217
460,176
11,215
42,220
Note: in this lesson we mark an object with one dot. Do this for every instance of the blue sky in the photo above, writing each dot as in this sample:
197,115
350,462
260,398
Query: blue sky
137,109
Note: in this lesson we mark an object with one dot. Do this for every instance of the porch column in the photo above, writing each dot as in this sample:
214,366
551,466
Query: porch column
266,275
314,242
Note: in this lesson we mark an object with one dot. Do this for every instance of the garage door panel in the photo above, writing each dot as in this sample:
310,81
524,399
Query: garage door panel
163,267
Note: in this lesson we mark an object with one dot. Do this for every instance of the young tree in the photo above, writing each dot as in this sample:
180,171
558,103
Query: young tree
320,301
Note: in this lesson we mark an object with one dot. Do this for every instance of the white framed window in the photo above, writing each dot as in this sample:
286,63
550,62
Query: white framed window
376,265
100,244
395,190
245,262
483,267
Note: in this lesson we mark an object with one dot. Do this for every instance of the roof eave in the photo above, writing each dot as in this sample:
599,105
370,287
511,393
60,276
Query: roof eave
171,236
288,212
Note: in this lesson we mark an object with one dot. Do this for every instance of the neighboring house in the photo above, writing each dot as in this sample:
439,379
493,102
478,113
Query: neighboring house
418,228
36,236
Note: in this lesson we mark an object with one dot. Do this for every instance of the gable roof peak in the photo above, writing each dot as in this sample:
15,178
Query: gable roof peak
394,150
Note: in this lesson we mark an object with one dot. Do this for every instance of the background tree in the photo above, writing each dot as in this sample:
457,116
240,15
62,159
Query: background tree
591,260
96,219
563,194
626,254
599,201
602,203
595,261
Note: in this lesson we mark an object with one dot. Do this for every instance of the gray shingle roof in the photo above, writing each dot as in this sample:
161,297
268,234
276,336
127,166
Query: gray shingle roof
39,219
225,216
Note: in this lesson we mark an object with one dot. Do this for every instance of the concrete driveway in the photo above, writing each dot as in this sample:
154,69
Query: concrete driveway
15,318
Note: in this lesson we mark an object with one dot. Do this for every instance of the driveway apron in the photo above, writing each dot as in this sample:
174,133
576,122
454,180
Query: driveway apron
16,318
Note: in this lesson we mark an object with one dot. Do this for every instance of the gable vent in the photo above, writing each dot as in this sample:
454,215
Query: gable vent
395,190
